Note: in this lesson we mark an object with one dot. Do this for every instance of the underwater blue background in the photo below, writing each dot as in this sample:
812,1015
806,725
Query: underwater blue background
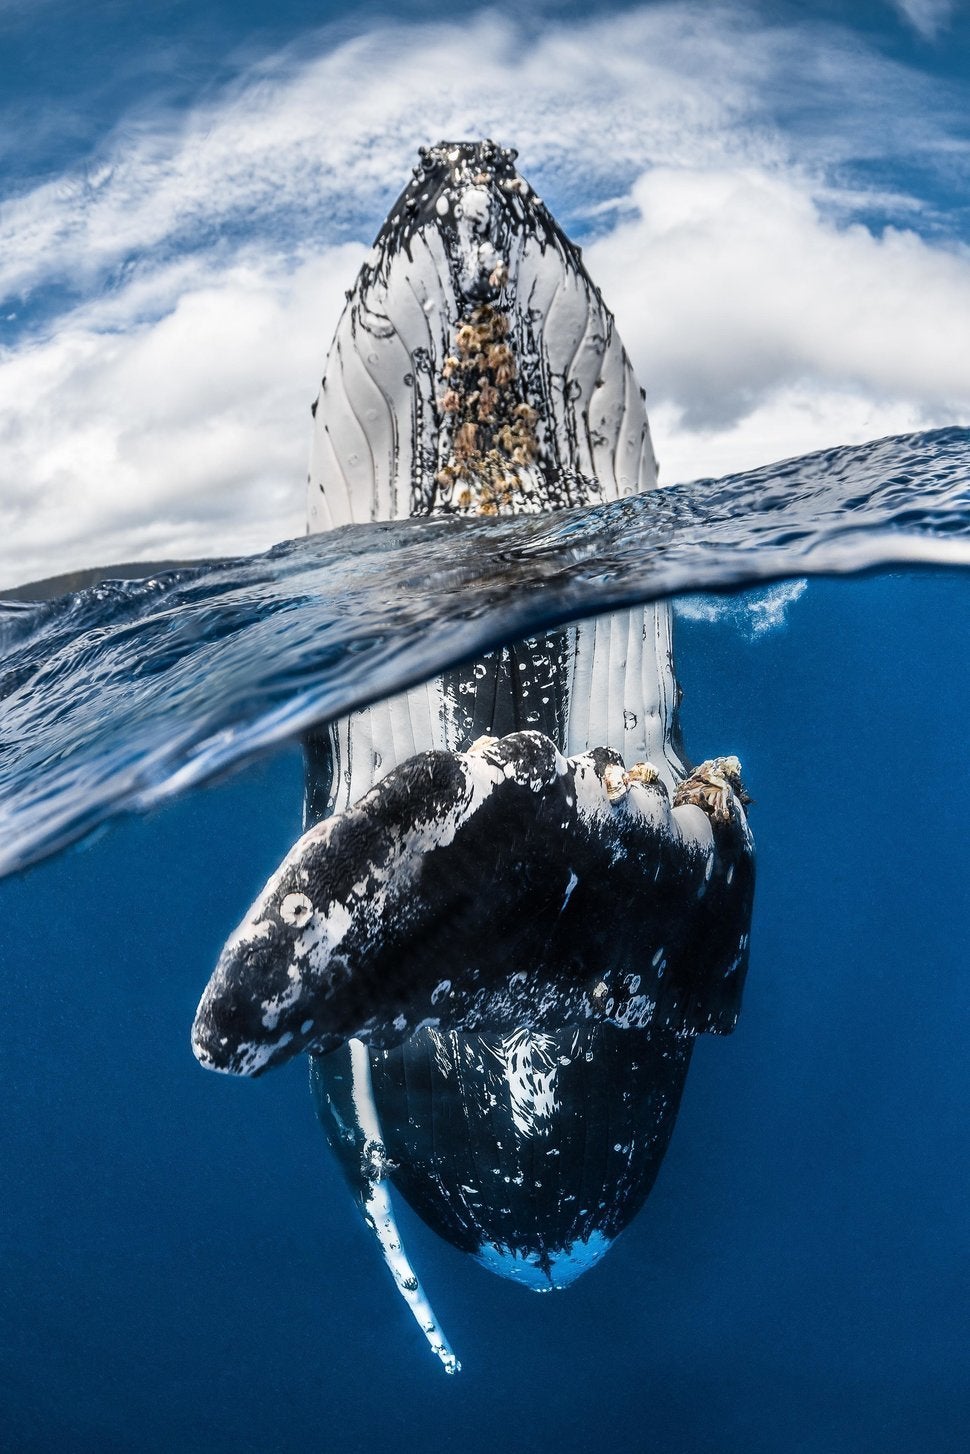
184,1268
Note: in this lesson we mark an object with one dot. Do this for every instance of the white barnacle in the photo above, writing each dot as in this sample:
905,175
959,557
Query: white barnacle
614,780
295,909
481,744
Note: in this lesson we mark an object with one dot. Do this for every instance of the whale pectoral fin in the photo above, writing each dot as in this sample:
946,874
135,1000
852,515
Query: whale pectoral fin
493,889
346,1107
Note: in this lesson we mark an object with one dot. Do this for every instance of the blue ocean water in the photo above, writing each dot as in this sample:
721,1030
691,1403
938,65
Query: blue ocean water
184,1268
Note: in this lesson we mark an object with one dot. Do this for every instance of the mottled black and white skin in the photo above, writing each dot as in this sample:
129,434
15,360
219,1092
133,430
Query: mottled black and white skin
513,908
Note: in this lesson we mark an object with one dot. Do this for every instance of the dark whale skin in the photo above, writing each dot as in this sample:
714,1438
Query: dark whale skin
527,1195
495,890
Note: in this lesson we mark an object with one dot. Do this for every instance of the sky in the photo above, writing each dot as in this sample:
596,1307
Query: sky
773,197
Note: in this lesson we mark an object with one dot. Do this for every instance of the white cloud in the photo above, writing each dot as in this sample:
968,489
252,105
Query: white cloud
183,437
300,145
786,423
306,141
928,17
165,411
761,328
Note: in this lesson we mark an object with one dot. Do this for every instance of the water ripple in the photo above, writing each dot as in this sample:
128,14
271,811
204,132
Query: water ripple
118,696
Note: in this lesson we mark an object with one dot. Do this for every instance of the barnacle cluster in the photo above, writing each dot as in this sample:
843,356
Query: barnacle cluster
618,780
713,786
493,429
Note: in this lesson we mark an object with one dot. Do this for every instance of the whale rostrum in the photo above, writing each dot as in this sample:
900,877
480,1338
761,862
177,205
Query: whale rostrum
514,907
476,370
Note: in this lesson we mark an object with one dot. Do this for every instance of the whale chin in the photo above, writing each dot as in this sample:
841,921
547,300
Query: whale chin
530,1151
544,1271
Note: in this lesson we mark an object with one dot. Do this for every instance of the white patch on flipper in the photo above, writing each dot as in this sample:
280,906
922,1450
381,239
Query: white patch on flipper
592,802
650,807
379,1212
252,929
614,780
322,936
693,827
276,1004
252,1055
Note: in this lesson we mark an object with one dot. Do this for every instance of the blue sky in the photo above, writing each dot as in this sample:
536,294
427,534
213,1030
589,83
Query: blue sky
773,197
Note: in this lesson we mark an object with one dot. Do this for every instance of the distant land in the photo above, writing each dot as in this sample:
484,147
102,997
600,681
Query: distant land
79,580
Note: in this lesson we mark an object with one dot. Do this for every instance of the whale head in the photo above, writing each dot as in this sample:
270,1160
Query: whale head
476,369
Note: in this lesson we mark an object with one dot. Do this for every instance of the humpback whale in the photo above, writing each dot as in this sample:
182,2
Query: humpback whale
514,905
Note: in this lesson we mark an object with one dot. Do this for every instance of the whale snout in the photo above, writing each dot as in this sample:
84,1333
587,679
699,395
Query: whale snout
470,197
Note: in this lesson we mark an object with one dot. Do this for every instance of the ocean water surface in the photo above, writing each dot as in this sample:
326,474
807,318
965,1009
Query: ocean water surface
184,1268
